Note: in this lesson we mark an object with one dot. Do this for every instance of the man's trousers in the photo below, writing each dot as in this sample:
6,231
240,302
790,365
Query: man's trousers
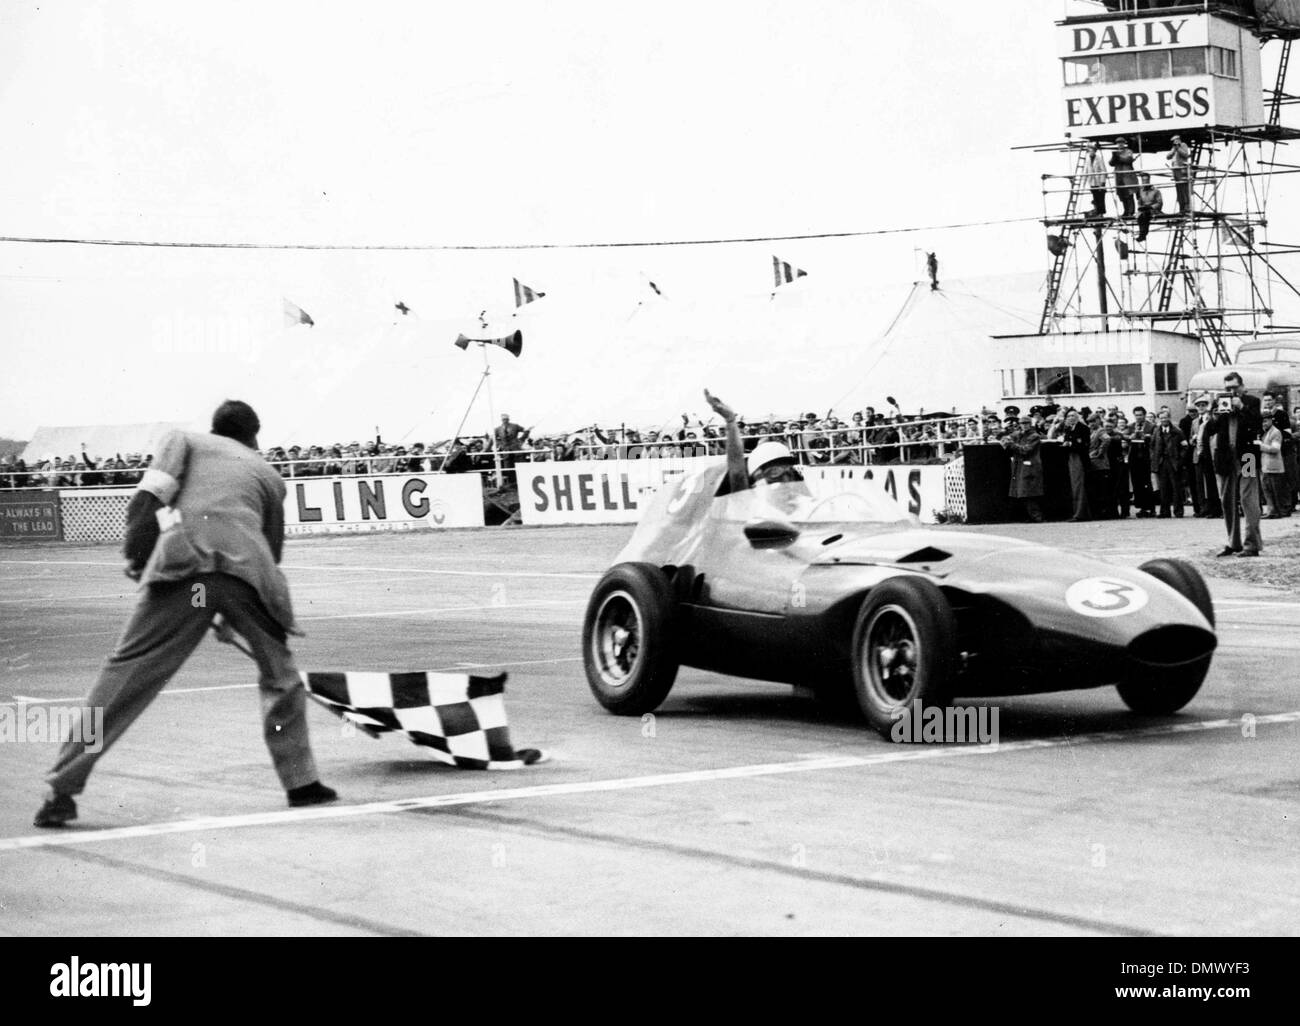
1241,487
168,623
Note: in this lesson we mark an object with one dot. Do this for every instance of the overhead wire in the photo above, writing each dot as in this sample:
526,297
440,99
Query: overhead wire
454,247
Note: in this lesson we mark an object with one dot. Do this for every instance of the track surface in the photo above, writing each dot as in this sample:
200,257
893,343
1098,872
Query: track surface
741,808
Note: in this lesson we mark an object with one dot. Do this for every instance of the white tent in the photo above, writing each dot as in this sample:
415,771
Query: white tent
100,440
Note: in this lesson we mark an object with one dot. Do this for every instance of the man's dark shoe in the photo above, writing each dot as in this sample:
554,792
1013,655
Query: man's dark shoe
1227,550
56,811
1247,552
314,793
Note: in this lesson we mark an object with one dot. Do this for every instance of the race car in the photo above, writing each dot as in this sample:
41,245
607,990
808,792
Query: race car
845,593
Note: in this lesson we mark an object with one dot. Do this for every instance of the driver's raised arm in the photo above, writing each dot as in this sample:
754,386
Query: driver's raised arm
737,474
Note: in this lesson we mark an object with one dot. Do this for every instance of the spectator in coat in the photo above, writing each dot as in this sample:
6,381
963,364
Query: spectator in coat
1272,466
1150,204
1094,179
1167,445
1126,181
1140,465
1026,466
1272,406
1180,159
1120,495
1203,480
1101,499
1076,438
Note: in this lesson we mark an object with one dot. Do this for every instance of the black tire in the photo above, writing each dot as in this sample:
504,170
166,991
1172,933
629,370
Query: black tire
904,649
1184,579
627,639
1162,693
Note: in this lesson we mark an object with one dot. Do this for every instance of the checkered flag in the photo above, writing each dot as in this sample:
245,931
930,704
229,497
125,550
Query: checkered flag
460,719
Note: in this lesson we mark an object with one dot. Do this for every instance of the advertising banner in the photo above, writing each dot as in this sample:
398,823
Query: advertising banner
30,514
594,491
1140,75
390,502
615,491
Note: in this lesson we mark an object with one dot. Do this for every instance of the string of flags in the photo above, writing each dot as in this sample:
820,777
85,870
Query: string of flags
783,273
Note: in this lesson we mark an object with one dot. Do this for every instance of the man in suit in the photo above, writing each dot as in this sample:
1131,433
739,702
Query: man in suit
205,530
1140,464
1187,470
1077,439
1233,430
1204,484
1167,445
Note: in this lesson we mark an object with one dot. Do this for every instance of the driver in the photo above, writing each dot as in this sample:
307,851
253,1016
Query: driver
771,463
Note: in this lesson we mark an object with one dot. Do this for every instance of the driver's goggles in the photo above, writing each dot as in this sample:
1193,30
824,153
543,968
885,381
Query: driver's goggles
779,473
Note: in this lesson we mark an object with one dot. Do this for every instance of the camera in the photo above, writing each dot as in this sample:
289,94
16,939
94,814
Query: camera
1223,402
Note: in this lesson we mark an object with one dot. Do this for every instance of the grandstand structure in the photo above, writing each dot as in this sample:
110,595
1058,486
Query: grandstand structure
1148,71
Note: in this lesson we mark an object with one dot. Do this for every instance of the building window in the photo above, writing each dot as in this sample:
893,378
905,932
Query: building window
1048,381
1189,60
1124,377
1128,67
1089,379
1166,377
1223,62
1154,64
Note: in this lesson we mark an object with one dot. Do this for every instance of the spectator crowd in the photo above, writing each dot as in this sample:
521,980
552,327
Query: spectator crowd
1120,464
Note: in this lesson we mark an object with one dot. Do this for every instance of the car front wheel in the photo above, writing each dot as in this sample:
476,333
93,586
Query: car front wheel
1164,692
627,642
903,649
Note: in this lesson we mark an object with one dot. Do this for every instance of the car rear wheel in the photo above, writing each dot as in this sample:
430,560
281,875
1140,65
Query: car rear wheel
903,649
627,641
1163,692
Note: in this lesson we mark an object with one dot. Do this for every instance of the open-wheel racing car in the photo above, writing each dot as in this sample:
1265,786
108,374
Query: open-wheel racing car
848,595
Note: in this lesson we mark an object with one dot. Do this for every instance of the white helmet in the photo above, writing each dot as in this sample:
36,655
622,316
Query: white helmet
765,453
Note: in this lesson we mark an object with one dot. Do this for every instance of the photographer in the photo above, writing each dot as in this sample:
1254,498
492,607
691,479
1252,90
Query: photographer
1233,430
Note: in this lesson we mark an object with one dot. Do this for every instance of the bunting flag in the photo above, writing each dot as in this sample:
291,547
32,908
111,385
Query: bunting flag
523,294
1236,233
653,287
401,308
459,719
294,314
783,273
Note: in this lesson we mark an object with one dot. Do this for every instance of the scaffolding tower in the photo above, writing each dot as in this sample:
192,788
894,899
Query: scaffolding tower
1209,271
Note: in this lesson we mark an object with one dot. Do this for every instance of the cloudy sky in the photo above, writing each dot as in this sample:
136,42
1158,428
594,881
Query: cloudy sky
487,124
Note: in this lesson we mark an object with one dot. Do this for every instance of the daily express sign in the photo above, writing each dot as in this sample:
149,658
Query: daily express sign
1110,108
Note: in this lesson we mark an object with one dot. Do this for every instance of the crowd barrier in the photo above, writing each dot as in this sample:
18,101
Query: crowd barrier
321,505
972,488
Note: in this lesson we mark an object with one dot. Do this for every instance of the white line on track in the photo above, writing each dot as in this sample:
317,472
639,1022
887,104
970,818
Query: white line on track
66,598
897,753
447,573
444,609
454,667
347,569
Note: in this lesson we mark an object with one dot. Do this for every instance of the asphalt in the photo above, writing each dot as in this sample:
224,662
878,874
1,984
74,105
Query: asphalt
740,808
